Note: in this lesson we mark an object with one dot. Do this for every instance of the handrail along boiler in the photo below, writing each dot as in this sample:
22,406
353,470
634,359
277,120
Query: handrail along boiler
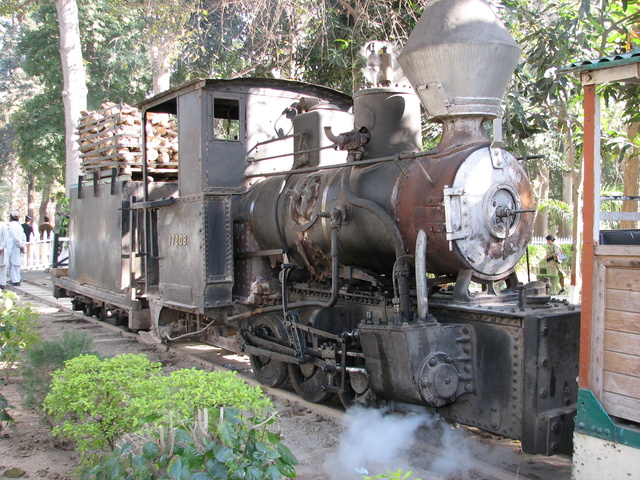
308,230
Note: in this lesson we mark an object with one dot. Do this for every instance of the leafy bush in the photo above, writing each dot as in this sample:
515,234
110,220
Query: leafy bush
44,358
234,445
17,331
184,392
95,402
90,399
399,475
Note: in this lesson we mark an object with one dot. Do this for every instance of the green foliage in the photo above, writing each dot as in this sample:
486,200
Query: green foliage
44,358
95,402
117,69
232,444
398,475
63,202
538,260
185,391
17,331
89,401
559,213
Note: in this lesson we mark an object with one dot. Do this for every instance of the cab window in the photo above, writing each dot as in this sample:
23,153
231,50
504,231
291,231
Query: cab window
226,119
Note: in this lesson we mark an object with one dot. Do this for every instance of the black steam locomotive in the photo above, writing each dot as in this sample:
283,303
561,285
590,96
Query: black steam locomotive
308,230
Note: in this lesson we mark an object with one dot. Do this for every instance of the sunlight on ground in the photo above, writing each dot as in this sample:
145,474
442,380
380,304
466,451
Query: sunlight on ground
221,351
237,358
46,310
202,348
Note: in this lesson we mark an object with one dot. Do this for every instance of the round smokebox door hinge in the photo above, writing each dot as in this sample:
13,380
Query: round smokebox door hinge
439,380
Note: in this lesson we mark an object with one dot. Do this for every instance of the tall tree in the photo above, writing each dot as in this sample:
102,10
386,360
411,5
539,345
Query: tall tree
74,90
166,29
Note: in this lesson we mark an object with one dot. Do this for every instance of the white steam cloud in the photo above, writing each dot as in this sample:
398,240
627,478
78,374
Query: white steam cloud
375,442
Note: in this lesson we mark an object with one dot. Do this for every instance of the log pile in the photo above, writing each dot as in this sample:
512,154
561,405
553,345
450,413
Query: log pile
111,137
162,140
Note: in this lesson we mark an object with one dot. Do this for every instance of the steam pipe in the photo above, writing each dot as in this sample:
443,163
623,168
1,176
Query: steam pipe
339,140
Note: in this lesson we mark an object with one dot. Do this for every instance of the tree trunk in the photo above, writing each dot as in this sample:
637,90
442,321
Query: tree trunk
564,229
44,203
631,177
541,187
74,93
160,66
31,194
575,173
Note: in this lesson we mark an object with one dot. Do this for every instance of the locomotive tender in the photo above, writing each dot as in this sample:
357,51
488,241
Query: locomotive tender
308,230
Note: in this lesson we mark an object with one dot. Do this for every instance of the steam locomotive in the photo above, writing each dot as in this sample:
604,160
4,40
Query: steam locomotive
308,229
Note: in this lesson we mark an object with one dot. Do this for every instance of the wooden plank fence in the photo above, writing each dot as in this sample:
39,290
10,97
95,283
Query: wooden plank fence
39,255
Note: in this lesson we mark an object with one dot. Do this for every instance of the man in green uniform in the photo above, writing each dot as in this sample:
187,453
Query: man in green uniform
554,261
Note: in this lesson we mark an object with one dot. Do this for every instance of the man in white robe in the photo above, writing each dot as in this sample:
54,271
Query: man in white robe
16,246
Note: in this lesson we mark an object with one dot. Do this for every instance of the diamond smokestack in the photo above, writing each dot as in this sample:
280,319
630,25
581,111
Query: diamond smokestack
459,59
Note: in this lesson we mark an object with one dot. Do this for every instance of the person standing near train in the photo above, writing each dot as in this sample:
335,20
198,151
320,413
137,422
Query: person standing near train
27,226
16,247
554,261
4,234
45,229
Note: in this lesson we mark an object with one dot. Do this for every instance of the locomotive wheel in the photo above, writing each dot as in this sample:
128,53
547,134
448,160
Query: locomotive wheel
272,373
357,391
309,382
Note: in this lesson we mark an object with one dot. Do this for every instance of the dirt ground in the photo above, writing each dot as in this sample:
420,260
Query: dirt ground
27,449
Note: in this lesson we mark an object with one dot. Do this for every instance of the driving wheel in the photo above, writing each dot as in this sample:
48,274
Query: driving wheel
309,382
357,391
268,371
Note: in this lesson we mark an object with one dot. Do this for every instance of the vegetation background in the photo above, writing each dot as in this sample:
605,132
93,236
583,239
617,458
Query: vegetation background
124,51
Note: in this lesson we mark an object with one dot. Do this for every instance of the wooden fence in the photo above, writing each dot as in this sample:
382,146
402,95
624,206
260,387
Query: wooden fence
39,255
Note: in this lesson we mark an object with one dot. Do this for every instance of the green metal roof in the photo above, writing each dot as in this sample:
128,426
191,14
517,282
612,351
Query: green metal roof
604,62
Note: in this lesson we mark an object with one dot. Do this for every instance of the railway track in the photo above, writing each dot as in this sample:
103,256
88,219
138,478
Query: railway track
438,445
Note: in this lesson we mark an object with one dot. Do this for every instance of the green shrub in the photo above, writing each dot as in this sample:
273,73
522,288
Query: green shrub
234,444
399,475
90,399
44,358
17,331
95,402
185,391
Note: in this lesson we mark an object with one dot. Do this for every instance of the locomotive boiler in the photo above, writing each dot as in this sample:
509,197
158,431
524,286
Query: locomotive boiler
308,230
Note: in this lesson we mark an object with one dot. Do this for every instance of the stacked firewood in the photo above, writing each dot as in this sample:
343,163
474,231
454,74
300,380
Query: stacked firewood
162,140
111,137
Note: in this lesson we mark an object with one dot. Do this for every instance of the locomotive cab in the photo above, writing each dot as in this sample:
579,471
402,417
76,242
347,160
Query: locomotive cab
230,132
